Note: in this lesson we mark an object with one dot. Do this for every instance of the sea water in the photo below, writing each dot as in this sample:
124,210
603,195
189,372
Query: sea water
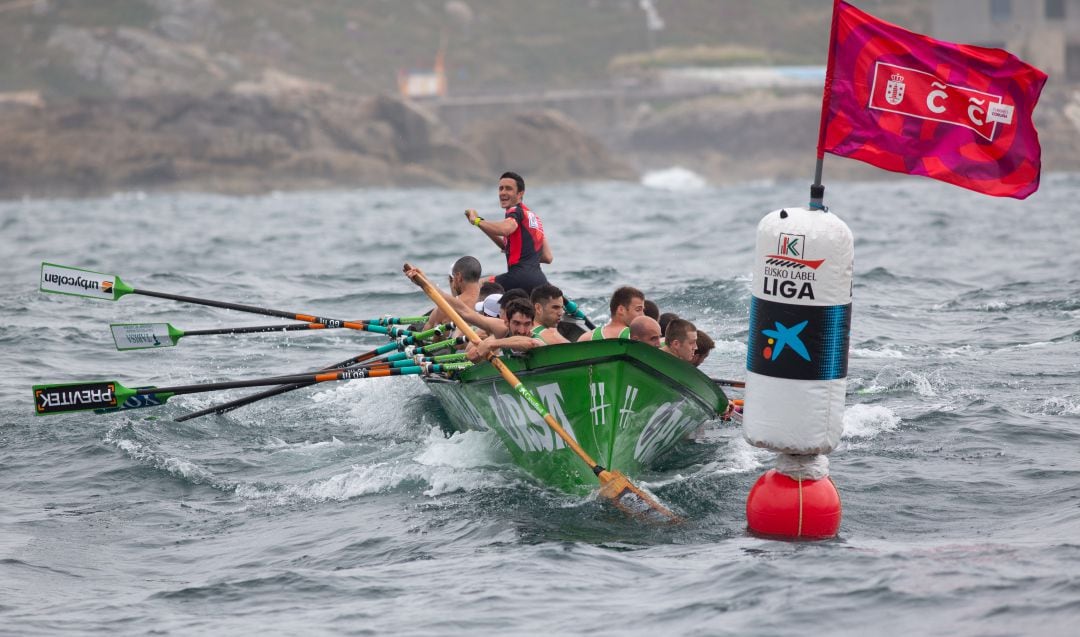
343,508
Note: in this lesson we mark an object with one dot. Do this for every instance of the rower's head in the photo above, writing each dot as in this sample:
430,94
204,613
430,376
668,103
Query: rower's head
490,287
519,317
652,310
681,339
511,189
646,330
510,295
704,346
465,270
547,300
627,304
664,320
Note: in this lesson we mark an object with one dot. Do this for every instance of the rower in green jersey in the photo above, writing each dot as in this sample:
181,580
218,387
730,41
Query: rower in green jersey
519,319
626,304
547,301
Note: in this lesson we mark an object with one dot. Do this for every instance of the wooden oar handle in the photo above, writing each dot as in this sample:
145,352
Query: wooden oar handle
418,278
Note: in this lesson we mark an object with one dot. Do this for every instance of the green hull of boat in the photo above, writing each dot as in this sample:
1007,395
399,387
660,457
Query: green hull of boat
625,403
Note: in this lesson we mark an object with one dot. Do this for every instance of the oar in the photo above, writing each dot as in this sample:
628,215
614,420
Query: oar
416,360
60,279
613,485
366,356
129,336
723,382
71,397
573,310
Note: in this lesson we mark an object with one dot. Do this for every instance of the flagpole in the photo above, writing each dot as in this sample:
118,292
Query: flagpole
817,190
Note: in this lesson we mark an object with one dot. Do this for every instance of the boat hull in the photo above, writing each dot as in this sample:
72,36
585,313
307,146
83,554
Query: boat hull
624,402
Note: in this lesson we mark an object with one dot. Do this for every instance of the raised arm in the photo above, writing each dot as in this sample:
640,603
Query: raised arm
545,252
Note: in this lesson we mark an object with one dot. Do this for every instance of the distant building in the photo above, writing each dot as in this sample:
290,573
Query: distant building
1045,33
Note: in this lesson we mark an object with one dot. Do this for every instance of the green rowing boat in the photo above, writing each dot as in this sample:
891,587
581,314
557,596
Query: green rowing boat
625,403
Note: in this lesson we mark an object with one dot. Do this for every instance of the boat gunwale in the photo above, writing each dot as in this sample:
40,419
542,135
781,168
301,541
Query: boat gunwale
626,356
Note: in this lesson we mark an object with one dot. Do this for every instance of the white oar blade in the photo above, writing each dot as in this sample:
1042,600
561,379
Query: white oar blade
60,279
142,335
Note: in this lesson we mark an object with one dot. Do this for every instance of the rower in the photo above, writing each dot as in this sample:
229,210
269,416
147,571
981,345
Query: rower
519,320
664,319
705,345
464,286
652,310
520,234
681,339
547,301
626,304
646,330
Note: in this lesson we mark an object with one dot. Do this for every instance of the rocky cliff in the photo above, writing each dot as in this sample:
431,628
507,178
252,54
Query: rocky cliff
280,133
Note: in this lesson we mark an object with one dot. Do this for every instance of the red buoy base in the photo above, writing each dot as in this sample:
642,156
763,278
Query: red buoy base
779,506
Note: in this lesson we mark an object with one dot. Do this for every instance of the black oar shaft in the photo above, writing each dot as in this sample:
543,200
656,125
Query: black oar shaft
289,327
251,309
321,377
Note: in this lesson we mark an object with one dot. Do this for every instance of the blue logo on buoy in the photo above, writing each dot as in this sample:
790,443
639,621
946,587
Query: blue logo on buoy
782,337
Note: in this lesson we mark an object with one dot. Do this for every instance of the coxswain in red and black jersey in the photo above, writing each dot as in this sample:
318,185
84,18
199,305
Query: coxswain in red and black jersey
520,234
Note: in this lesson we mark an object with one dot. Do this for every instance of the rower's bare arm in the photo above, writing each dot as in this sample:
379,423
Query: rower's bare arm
491,325
545,252
499,229
519,343
587,336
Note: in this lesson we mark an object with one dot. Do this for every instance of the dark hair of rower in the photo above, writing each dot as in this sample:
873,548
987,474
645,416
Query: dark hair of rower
678,329
510,295
468,268
490,287
519,306
705,344
623,297
545,292
665,318
652,310
518,179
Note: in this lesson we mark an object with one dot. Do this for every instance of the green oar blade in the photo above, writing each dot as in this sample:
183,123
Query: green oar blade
62,279
70,397
129,336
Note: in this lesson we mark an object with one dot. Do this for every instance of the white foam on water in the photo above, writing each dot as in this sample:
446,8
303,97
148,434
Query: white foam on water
469,449
875,353
356,482
1035,345
372,406
460,461
185,469
277,445
674,179
1061,406
730,347
889,378
739,456
869,421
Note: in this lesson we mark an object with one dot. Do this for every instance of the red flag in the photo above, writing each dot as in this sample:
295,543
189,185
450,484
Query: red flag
909,103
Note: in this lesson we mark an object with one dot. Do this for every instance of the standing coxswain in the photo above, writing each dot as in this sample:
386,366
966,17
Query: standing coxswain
519,234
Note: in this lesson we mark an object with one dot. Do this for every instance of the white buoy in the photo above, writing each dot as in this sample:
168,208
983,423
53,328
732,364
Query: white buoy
796,363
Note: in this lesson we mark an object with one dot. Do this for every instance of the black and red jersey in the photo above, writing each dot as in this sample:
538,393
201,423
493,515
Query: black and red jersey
524,244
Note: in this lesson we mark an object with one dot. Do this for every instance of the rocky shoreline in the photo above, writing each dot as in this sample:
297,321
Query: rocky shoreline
253,139
283,134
